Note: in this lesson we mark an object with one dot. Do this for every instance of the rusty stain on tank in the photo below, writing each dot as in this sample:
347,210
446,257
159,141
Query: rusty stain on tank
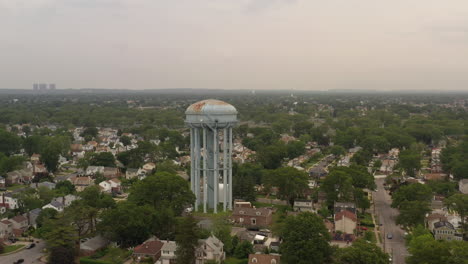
198,107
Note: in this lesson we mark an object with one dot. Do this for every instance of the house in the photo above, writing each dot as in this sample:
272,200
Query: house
110,186
434,218
463,186
340,206
151,248
19,222
132,173
444,230
168,255
149,167
93,170
435,176
35,158
261,217
264,259
48,185
56,205
345,222
89,247
67,200
8,201
81,182
110,172
304,206
6,229
2,182
209,249
32,216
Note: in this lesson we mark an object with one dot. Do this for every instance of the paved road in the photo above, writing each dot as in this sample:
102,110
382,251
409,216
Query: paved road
30,256
387,216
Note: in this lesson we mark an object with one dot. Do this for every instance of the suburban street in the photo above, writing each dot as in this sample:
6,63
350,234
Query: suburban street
30,256
386,215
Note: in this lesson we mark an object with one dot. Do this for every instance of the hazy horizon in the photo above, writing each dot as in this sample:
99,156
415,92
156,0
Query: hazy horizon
235,44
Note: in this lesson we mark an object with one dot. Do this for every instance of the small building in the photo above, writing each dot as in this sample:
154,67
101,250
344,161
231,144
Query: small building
444,230
6,229
32,215
81,182
56,205
111,186
168,255
261,217
19,222
149,167
304,206
111,172
151,248
210,249
91,246
264,259
345,222
340,206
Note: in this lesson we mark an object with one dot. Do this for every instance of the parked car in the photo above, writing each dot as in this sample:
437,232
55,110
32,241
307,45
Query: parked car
19,261
30,246
389,236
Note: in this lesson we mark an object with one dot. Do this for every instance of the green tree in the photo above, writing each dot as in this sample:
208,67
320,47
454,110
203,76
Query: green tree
65,187
243,249
459,203
425,249
291,183
411,192
93,197
105,159
337,150
127,224
162,190
46,214
412,213
362,252
338,186
9,142
305,240
61,243
410,162
244,178
186,239
222,230
125,140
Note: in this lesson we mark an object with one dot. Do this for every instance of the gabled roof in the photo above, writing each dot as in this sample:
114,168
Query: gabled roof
264,259
19,219
149,247
252,211
347,214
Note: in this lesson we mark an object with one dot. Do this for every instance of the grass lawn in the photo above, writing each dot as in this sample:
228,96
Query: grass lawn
235,261
11,248
15,187
279,207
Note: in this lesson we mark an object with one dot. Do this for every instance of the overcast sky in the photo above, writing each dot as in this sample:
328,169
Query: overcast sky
235,44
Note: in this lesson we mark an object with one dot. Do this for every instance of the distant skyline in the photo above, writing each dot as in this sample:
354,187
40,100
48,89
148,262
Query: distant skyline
235,44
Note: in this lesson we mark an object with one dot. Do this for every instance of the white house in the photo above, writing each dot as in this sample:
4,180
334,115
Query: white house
109,185
210,249
463,186
56,205
168,255
7,200
303,206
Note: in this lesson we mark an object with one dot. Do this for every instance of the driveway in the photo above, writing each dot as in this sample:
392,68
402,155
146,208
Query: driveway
30,256
386,215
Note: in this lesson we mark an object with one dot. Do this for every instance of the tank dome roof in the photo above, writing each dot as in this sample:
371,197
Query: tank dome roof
211,107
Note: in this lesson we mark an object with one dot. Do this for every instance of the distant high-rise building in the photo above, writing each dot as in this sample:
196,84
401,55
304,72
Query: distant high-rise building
35,86
52,86
43,86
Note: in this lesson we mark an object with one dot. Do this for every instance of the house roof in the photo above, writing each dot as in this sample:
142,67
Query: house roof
347,214
443,224
251,211
441,217
214,243
94,243
36,211
19,219
149,247
264,259
56,204
169,246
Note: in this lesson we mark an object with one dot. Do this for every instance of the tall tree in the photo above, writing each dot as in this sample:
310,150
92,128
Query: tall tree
362,252
291,183
162,190
459,203
186,239
305,240
411,192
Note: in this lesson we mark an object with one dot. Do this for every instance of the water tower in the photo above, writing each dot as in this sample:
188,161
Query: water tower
210,122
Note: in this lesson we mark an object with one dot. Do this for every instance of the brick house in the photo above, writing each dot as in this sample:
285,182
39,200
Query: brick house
151,248
261,217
